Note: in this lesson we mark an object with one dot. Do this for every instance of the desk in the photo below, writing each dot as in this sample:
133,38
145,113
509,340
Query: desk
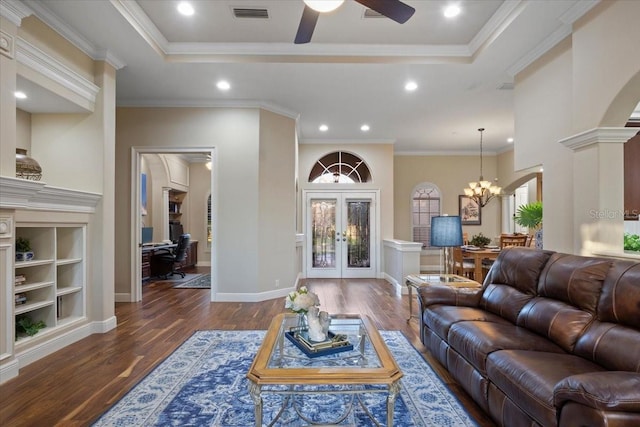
418,280
147,254
150,269
478,256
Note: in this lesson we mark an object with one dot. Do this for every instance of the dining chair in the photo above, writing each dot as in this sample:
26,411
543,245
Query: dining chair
462,267
507,240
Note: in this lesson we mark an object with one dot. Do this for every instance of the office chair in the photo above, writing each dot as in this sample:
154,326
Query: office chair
172,257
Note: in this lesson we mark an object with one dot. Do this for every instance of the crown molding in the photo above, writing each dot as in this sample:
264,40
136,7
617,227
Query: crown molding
207,103
593,136
575,12
72,36
317,141
432,153
14,11
547,44
38,60
506,13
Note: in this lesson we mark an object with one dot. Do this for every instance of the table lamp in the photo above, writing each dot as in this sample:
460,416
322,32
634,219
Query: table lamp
446,231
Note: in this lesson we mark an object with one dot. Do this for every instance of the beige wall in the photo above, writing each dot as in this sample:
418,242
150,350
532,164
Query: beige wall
587,81
276,216
451,174
543,117
23,130
199,190
236,137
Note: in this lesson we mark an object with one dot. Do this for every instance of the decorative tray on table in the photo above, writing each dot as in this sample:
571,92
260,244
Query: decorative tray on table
335,343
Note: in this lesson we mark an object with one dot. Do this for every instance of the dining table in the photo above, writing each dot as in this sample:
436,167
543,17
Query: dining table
478,254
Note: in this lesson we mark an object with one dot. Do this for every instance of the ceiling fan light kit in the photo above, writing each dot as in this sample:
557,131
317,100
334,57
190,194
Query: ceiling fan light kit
392,9
324,5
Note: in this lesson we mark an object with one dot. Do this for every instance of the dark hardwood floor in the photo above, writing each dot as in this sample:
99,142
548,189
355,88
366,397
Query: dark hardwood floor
75,385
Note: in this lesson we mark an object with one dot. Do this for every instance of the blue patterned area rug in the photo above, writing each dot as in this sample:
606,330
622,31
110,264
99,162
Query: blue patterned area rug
201,281
203,383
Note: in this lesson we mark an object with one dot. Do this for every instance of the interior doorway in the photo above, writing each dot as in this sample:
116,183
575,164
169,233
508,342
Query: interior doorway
161,211
342,230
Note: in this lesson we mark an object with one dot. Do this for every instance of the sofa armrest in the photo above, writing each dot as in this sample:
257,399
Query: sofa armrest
608,391
449,295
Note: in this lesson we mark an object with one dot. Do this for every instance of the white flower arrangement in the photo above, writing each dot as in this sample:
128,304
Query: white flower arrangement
301,301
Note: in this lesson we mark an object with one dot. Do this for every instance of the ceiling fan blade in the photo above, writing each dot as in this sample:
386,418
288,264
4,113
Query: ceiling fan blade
392,9
307,25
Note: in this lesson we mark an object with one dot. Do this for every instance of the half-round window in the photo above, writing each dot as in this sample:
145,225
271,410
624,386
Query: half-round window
340,167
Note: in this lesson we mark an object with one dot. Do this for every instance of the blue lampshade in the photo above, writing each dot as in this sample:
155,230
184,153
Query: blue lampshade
446,231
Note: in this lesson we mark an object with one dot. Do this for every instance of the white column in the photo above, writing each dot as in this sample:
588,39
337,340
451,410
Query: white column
598,184
165,213
507,215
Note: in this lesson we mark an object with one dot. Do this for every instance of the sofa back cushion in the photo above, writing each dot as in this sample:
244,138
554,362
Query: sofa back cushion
568,292
513,280
613,340
575,280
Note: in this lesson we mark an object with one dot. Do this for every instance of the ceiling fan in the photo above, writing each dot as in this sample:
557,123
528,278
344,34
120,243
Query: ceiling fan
392,9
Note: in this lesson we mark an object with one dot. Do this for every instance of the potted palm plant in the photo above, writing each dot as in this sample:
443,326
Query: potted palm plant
530,216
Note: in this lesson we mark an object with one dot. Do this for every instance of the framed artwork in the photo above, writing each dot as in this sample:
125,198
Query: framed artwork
470,212
143,194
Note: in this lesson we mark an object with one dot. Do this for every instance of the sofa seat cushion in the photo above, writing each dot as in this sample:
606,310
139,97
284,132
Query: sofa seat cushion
532,377
475,341
440,318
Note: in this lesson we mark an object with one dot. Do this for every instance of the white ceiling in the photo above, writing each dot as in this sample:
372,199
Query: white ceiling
353,71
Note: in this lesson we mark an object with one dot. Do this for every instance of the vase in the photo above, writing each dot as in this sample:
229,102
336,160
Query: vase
302,322
27,167
24,256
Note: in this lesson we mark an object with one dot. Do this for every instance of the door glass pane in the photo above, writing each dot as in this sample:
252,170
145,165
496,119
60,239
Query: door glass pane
358,237
323,230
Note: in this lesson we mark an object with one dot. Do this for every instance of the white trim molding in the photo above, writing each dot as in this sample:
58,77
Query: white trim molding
14,10
598,135
45,64
23,194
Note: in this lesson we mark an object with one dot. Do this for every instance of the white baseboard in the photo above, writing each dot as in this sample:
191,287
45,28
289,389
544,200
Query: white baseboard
397,286
122,297
253,297
9,370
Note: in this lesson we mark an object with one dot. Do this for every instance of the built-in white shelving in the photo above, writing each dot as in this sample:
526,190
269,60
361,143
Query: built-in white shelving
52,286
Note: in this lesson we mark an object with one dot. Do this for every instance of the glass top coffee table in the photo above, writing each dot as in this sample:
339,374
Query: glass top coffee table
280,367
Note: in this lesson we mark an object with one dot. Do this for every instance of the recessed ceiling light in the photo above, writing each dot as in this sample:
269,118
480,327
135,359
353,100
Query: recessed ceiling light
185,8
223,85
411,86
20,95
451,11
364,128
509,140
541,169
323,128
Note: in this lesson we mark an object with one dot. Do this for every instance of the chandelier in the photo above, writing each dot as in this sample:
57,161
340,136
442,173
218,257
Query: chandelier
481,191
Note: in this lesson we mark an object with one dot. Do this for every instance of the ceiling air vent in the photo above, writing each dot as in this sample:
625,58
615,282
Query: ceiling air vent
242,12
369,13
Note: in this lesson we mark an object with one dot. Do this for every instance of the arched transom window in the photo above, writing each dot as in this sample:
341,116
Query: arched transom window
340,167
425,204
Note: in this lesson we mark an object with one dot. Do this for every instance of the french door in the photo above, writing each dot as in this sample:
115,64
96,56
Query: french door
340,233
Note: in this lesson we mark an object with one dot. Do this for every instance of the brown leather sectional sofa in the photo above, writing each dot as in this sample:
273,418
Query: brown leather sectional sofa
550,340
